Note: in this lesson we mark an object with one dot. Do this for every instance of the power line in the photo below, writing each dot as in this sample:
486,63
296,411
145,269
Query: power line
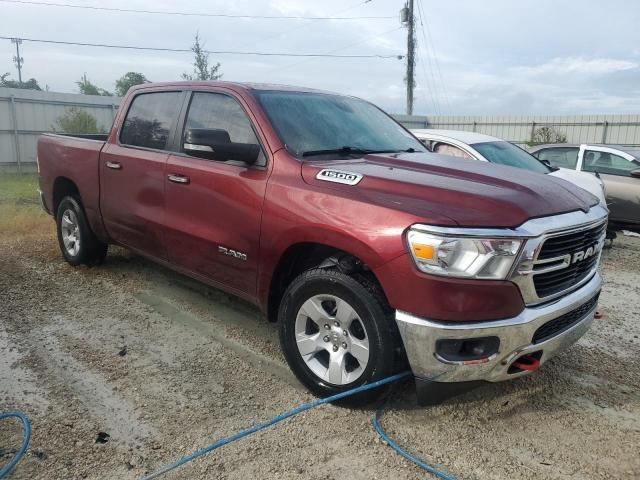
192,14
215,52
298,27
330,52
435,57
432,85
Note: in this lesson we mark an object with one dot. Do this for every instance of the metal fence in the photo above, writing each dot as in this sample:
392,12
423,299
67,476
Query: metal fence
611,129
24,114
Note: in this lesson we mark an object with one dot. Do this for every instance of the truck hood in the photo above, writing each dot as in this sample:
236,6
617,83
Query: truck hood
470,193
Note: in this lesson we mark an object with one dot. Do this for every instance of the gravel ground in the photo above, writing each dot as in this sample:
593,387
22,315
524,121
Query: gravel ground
164,365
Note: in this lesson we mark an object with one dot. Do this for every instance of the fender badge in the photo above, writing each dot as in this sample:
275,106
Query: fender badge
339,176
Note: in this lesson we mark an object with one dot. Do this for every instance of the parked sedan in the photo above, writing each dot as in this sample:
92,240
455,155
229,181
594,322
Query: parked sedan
617,166
486,148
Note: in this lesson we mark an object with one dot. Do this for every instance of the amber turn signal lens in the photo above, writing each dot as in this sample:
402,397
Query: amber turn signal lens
423,252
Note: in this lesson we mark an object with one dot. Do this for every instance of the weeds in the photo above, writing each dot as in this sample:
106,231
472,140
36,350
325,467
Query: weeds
20,212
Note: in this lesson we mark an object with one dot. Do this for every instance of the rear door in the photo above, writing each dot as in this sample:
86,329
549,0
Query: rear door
132,178
214,208
623,190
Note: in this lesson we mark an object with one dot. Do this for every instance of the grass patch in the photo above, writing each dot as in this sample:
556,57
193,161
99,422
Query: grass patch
20,212
18,188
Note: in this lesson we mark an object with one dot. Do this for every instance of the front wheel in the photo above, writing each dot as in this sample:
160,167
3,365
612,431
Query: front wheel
336,334
78,243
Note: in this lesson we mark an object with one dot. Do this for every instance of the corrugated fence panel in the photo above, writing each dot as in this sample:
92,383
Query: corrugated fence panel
37,112
611,129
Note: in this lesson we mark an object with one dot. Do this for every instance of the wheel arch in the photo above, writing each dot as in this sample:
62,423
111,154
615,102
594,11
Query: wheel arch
305,255
62,187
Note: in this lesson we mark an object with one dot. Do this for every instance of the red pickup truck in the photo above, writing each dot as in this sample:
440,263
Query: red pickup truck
370,252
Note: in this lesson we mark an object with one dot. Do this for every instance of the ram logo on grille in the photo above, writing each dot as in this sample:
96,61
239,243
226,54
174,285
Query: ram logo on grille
339,176
584,254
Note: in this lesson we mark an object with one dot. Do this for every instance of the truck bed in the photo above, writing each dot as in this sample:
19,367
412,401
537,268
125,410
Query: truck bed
71,158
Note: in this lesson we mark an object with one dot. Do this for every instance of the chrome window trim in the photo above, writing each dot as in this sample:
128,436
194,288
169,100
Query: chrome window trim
535,232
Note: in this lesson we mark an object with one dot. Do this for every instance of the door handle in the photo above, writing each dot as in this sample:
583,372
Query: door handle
178,178
113,165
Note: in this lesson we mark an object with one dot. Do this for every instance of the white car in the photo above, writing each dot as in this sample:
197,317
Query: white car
458,143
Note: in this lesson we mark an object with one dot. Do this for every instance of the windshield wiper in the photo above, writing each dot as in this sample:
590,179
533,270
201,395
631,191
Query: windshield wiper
346,150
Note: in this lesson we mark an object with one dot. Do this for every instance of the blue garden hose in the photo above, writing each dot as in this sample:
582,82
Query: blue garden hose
26,435
302,408
260,426
404,453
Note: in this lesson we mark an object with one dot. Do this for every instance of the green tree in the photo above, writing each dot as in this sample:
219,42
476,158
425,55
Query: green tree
128,80
31,84
88,88
201,69
78,121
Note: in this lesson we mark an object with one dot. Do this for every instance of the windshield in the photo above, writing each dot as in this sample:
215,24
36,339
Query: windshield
317,122
506,153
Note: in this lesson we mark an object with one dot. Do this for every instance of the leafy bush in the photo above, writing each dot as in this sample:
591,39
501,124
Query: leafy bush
78,121
544,135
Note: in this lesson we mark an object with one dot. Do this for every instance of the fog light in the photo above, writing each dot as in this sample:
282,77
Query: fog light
470,350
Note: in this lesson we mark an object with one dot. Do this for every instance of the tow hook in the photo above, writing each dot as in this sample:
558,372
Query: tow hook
598,315
527,362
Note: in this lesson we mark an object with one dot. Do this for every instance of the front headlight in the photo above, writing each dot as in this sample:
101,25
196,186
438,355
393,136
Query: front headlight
461,256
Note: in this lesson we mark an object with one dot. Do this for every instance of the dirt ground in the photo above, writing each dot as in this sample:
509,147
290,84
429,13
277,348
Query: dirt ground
164,366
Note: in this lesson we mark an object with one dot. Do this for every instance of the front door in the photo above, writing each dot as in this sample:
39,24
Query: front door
132,177
214,208
623,190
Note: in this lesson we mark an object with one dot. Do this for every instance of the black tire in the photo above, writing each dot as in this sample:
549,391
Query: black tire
90,250
375,316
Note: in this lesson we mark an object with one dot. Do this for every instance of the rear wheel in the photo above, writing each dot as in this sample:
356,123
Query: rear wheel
77,242
336,334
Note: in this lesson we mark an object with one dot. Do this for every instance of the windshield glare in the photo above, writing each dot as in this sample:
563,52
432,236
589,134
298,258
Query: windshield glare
307,122
506,153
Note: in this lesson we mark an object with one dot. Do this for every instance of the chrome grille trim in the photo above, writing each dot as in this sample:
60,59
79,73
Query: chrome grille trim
528,265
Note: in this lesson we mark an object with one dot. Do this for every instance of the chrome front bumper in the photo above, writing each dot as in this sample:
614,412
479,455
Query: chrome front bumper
420,336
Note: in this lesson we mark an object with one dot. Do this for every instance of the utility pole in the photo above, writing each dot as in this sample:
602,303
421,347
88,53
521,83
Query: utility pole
407,19
17,59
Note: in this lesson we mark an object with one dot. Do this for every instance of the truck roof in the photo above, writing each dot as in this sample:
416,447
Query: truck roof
234,85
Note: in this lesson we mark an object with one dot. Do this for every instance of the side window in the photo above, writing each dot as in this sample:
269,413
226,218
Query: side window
149,119
446,149
605,162
218,111
562,157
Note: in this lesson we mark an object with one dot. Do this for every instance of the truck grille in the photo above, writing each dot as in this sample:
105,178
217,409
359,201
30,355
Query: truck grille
558,325
550,283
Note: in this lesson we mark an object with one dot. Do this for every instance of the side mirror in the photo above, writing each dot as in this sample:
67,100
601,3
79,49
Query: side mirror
635,173
216,144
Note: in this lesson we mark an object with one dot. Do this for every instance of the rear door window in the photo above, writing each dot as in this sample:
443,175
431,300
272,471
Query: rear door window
608,163
451,150
150,119
563,157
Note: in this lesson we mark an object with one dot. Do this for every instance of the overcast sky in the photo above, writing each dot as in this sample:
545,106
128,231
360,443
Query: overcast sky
480,57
